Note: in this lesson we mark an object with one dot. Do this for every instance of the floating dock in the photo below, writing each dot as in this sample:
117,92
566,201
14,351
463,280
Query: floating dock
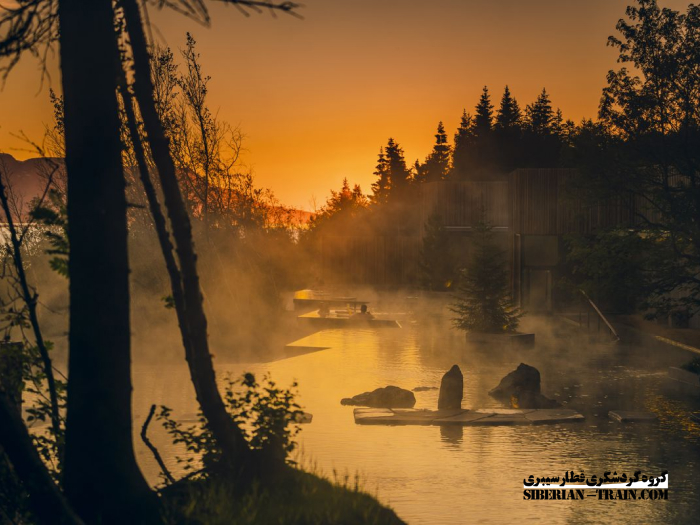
464,417
336,321
629,416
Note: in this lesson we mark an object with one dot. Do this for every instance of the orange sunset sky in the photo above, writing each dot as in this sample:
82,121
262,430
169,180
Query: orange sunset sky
317,97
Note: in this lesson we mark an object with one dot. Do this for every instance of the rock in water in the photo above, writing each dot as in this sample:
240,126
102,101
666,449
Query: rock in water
387,397
525,378
451,389
521,389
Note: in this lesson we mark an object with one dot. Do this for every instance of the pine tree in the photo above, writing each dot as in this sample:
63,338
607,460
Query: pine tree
483,301
540,115
508,133
437,164
464,141
381,186
558,123
483,121
509,115
398,174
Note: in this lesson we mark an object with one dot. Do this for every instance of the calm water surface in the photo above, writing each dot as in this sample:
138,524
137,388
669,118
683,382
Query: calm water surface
474,475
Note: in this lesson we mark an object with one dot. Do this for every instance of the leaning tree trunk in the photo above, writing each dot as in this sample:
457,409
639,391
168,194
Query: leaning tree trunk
46,502
235,450
101,477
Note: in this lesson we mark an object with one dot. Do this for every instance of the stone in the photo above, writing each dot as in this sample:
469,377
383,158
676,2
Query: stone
451,389
525,378
531,400
424,388
521,389
387,397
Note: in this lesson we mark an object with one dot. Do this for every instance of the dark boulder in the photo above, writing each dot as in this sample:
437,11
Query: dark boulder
531,400
451,389
387,397
521,389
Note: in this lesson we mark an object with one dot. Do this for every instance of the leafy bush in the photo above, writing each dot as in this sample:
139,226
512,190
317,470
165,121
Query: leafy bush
267,415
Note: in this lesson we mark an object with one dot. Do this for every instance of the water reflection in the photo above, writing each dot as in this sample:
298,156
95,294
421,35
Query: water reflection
474,474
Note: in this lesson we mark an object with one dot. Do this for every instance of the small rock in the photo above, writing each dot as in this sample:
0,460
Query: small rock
387,397
424,388
521,388
451,389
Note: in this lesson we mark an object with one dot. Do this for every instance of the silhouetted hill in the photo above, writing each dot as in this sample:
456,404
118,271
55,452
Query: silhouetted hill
26,179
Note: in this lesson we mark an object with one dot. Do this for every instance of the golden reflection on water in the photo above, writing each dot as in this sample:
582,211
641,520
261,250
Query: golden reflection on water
456,475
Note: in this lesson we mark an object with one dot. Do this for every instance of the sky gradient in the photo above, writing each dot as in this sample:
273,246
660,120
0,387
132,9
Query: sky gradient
316,98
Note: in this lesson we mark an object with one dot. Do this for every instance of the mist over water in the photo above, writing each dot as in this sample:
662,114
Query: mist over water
472,474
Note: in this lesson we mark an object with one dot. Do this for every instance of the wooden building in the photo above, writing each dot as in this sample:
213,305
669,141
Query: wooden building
531,212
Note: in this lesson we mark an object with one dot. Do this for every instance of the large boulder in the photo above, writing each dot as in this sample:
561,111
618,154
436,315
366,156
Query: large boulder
387,397
521,389
451,389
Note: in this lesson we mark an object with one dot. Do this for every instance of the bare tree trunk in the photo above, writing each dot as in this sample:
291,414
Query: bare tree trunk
101,477
235,450
46,502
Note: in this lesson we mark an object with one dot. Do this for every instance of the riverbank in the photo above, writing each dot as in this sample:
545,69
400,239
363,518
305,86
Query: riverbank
296,498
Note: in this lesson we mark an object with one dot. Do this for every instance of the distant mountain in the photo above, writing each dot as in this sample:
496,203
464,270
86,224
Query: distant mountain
26,178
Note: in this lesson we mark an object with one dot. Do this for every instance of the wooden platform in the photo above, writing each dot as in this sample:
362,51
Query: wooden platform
312,299
464,417
336,321
628,416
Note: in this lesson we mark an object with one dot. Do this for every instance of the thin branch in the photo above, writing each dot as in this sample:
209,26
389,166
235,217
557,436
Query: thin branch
152,448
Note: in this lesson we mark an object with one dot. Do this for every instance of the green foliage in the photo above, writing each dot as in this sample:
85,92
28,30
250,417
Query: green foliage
483,302
168,301
54,216
437,260
37,406
294,498
609,267
267,414
644,156
47,442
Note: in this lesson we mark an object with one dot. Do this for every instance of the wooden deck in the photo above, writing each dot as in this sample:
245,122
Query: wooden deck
464,417
345,321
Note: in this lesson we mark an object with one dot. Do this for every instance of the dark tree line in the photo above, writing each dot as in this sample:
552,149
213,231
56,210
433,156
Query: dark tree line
639,161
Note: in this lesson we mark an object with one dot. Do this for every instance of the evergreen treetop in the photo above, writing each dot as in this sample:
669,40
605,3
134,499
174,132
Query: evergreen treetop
464,138
381,186
540,115
398,174
509,115
483,120
437,164
483,303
